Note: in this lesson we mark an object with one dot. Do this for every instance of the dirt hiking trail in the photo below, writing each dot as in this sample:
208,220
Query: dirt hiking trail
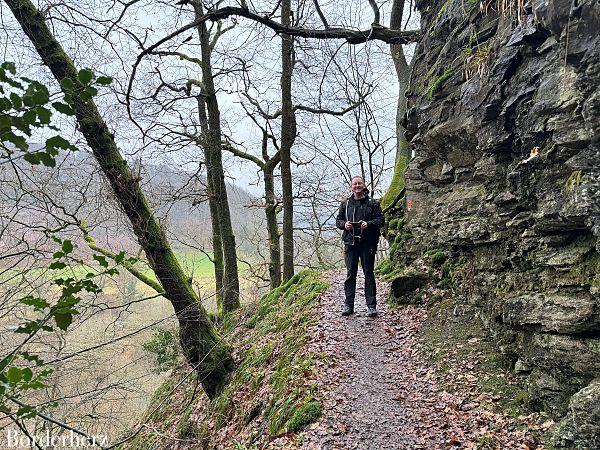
381,393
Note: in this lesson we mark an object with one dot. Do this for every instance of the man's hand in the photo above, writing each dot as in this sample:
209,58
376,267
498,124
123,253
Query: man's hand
348,226
363,224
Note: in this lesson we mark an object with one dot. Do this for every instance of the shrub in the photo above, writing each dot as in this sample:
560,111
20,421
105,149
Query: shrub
165,348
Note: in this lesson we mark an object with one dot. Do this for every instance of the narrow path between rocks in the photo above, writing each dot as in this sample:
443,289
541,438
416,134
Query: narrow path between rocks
381,394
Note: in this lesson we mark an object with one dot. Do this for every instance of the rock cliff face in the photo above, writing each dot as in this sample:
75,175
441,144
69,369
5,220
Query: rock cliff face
504,116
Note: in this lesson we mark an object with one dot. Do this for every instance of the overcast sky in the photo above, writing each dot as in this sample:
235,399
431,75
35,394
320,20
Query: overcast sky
260,47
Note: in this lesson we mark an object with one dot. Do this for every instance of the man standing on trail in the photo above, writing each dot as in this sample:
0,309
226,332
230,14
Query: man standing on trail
361,218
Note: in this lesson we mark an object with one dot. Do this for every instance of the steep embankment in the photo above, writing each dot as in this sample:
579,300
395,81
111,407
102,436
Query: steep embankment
504,116
273,390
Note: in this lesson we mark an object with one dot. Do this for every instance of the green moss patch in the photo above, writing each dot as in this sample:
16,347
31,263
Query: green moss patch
587,270
269,393
387,269
397,183
437,83
305,414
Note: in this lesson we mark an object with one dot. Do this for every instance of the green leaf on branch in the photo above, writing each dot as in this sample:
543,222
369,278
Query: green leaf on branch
10,66
26,412
47,160
67,246
36,302
14,375
66,84
32,158
27,374
44,115
18,141
36,384
41,97
28,327
63,108
5,105
16,101
101,260
57,265
120,257
104,80
88,92
63,320
29,117
29,101
59,142
32,358
85,76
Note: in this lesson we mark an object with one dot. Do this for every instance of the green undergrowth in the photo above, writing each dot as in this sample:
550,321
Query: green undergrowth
397,235
270,392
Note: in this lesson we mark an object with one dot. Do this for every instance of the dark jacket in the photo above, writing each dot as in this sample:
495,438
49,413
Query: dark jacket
365,209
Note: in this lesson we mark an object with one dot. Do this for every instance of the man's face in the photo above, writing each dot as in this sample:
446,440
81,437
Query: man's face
357,185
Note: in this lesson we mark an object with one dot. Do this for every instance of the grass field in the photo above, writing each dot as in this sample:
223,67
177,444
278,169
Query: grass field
196,264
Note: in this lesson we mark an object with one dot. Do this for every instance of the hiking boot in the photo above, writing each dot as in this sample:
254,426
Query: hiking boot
371,311
347,310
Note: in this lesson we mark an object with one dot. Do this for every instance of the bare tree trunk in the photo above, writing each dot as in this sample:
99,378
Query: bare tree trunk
288,135
267,166
402,149
202,345
403,74
272,227
214,168
217,243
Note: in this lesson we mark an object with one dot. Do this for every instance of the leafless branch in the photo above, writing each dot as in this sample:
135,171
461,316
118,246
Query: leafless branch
375,12
321,15
351,36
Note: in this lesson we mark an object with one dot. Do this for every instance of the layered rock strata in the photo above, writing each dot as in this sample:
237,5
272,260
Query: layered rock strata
504,117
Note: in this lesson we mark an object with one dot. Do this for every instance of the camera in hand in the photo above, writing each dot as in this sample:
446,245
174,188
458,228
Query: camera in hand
356,233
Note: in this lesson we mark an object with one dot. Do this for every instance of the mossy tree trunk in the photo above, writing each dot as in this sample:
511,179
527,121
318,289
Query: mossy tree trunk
403,152
230,296
202,345
288,135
